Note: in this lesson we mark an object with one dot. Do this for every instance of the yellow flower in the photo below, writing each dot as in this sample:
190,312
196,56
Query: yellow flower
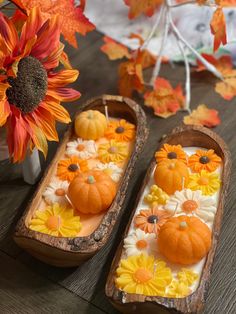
207,182
178,289
56,221
113,151
141,274
156,196
187,276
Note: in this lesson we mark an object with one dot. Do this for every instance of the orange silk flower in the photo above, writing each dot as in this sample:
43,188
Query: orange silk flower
171,152
68,169
120,130
204,160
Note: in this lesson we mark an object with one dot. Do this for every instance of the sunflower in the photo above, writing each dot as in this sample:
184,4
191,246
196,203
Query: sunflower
150,220
30,90
204,160
141,274
120,130
68,169
113,151
171,152
56,221
207,182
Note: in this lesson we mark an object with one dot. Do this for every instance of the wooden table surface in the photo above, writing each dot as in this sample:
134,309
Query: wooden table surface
29,286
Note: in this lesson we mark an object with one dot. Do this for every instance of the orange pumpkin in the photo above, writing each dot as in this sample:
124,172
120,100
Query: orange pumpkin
171,175
184,240
92,192
90,125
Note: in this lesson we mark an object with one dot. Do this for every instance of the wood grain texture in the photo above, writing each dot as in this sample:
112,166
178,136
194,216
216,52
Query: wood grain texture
98,76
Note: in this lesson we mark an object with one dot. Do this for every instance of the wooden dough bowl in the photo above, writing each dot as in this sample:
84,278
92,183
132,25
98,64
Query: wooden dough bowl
133,303
68,252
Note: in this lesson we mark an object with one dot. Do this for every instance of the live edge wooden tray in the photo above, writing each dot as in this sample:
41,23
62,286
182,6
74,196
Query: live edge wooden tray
68,252
134,303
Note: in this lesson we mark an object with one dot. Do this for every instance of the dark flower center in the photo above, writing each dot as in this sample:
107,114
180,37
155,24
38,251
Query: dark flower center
204,160
29,88
73,167
152,219
120,129
172,155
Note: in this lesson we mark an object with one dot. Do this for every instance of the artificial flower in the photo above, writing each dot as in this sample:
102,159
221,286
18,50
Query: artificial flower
187,276
111,169
141,274
30,90
150,220
156,196
190,202
81,148
178,289
55,192
204,160
56,221
207,182
113,151
68,169
140,242
120,131
171,152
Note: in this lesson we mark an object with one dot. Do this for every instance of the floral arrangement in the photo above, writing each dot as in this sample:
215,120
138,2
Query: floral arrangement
170,234
86,177
158,93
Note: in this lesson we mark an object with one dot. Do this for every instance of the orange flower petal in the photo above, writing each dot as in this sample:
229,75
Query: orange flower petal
8,32
62,78
58,111
64,94
52,61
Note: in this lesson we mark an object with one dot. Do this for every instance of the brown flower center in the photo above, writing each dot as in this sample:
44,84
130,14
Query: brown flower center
142,275
204,160
172,155
29,88
120,129
152,219
189,206
73,167
53,223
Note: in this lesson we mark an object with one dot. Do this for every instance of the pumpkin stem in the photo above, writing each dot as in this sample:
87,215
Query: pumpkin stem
91,179
90,114
183,225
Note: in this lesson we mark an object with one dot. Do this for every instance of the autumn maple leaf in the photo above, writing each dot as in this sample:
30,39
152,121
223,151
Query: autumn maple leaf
227,88
72,18
114,50
138,7
164,99
218,28
203,116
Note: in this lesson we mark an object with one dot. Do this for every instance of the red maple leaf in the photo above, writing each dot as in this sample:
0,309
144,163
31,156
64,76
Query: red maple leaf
218,28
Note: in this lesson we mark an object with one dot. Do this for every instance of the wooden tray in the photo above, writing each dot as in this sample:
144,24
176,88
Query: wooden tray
66,252
134,303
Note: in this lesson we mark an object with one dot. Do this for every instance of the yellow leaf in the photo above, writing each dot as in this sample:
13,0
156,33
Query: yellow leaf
203,116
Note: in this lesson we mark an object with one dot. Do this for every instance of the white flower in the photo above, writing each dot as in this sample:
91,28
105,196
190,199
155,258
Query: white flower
56,192
192,203
111,169
82,149
140,242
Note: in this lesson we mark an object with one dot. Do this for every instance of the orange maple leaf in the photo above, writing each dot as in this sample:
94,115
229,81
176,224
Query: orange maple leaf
203,116
224,64
164,99
138,7
218,28
114,50
72,18
227,88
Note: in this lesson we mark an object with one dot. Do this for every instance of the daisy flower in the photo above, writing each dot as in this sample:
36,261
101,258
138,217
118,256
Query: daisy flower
55,192
120,130
57,221
141,274
192,203
207,182
30,90
82,149
113,151
204,160
171,152
150,220
68,169
140,242
111,169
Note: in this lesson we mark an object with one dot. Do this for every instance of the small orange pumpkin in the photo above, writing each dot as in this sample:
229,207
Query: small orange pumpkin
171,175
90,125
184,240
92,192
